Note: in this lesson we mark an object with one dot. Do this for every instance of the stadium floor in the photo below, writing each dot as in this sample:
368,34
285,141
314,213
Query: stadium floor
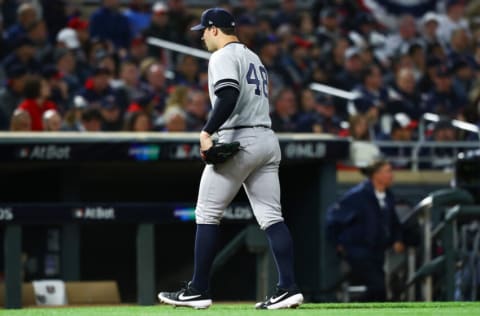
226,309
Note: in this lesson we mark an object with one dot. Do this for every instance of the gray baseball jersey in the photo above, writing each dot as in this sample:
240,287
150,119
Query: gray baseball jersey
237,66
256,165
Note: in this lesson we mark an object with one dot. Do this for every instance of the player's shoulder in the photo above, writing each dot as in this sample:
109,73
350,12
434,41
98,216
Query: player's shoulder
225,55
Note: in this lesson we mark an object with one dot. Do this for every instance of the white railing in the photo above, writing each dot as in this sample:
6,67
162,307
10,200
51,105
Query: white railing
417,155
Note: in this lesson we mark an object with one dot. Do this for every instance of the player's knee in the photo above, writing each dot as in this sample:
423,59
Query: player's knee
264,224
207,217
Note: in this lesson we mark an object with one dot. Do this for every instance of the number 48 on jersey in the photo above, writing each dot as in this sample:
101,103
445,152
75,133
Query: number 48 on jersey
252,78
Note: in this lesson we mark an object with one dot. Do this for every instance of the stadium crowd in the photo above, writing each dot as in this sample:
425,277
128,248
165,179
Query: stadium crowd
65,70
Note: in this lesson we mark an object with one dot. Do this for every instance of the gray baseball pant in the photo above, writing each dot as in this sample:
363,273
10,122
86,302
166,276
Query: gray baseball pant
255,167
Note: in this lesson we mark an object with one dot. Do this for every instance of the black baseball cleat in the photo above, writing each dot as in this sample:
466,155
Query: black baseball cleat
188,296
283,298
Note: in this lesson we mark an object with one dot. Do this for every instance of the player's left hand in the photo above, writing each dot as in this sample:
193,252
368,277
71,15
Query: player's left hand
205,143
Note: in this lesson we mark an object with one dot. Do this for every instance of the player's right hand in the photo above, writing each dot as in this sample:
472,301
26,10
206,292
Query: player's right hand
205,142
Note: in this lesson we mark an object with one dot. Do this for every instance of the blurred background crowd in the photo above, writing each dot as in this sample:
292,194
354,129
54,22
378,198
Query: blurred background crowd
67,68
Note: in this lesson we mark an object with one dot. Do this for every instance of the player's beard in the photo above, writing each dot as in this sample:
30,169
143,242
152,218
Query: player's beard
204,44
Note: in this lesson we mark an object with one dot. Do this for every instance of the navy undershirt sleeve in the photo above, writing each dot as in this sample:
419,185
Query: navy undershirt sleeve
224,106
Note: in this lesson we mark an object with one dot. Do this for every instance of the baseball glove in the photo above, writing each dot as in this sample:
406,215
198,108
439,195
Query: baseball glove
220,152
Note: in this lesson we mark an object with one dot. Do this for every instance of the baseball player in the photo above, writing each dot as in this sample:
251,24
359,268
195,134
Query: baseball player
238,87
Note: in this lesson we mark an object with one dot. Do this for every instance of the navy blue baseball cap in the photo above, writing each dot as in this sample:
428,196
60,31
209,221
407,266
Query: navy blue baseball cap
214,17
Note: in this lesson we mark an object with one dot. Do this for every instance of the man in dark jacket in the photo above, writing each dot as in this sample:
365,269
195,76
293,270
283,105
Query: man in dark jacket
108,23
363,224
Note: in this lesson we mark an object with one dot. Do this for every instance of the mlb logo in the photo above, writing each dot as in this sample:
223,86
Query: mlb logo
50,292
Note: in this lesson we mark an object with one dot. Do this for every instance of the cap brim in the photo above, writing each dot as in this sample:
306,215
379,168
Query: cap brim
198,27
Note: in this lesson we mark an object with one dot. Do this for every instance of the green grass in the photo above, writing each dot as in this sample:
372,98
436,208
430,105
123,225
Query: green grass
221,309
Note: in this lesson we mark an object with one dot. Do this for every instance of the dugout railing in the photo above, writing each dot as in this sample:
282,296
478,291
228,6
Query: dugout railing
442,215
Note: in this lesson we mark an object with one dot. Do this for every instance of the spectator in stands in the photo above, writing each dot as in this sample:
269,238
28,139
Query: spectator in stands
111,114
308,119
329,120
363,223
321,119
372,87
460,46
464,74
175,120
155,76
246,28
52,121
398,43
138,15
298,64
307,101
197,109
72,116
38,33
453,19
336,57
36,92
178,18
187,71
110,61
305,30
417,54
138,121
426,81
159,27
178,97
11,94
429,26
438,157
91,121
286,14
364,30
26,14
372,112
23,55
328,30
75,38
109,24
20,121
347,10
403,95
81,28
350,76
247,7
285,112
59,92
138,49
131,87
443,99
402,130
358,128
64,61
97,87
